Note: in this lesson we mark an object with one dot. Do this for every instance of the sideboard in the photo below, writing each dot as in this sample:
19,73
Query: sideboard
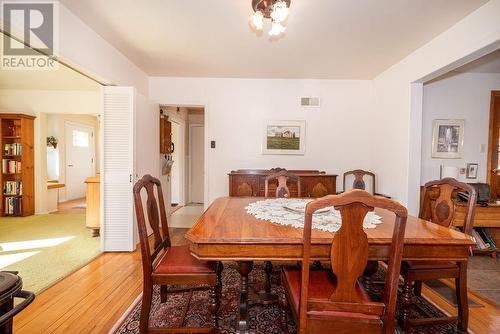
250,182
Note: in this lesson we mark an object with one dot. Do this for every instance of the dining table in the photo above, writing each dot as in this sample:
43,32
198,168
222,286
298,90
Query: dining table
226,232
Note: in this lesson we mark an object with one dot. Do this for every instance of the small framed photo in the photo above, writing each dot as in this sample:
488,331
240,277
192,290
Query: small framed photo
447,138
471,171
284,137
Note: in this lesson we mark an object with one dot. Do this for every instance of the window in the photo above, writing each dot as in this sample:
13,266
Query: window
80,138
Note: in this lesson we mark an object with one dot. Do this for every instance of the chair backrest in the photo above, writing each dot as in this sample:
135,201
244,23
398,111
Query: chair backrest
438,205
359,179
156,218
349,255
282,176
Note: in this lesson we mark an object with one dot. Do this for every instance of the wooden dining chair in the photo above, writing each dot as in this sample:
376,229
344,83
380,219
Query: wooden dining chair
282,176
166,265
438,206
333,300
359,181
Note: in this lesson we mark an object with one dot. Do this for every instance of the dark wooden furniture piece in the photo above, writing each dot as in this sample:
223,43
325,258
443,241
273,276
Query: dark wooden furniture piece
282,178
438,206
251,182
359,181
11,287
227,232
166,145
492,167
170,265
18,183
333,300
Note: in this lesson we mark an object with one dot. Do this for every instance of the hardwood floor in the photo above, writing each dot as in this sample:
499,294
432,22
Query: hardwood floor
94,298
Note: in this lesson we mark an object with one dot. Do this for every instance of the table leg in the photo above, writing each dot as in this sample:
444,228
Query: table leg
462,300
244,268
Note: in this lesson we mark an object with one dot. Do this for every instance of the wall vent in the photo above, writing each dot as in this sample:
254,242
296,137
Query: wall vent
309,101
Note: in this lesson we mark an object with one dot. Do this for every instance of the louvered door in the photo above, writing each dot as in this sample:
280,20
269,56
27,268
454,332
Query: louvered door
117,168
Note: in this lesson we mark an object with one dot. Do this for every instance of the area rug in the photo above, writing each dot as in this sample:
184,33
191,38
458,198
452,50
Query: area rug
45,248
263,319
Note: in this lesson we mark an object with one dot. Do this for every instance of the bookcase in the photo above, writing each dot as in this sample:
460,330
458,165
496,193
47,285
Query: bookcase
18,172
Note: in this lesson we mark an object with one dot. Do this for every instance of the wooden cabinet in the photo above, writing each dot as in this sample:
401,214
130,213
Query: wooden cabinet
251,182
18,168
166,145
93,199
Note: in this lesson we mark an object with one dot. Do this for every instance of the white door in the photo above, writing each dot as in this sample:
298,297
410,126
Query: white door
80,158
197,163
117,169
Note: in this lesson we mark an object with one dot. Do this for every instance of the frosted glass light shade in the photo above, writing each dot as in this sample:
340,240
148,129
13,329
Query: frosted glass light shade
257,20
276,29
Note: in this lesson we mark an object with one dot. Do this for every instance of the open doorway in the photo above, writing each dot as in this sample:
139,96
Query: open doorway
59,127
184,178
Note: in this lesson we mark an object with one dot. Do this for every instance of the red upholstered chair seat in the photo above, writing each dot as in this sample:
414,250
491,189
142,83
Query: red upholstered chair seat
427,265
178,260
322,283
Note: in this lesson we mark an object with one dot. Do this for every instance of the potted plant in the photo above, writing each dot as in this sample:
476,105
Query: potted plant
52,141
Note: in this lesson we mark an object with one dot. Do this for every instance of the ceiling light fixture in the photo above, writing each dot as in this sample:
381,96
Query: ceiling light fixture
276,10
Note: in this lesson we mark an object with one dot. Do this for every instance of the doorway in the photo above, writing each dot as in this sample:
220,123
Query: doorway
80,158
493,166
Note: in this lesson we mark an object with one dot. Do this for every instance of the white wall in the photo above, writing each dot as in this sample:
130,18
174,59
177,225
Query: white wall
459,96
397,102
338,133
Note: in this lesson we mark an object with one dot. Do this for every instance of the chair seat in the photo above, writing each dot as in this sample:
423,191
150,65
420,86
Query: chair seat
178,260
322,283
427,265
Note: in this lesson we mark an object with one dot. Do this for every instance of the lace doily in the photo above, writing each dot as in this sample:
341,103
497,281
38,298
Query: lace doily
285,211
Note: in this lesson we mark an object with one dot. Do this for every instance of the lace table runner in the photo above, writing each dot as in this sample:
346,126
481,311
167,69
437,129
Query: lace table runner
285,211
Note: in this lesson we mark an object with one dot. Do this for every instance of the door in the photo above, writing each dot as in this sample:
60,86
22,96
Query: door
494,146
117,168
80,158
197,163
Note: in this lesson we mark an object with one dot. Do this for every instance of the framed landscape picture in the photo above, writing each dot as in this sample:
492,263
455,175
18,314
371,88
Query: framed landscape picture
447,138
284,137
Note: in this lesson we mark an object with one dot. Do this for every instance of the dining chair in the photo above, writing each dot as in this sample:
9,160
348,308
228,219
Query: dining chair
282,176
438,206
332,300
166,265
359,181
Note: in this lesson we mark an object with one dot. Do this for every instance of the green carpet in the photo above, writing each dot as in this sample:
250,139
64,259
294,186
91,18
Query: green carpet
45,248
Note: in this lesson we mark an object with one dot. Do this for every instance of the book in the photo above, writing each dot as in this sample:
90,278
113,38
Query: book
486,237
480,244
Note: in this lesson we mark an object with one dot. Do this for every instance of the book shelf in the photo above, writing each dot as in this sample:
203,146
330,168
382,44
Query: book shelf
17,176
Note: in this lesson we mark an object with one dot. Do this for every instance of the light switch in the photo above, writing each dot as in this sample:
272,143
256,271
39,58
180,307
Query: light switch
212,144
483,148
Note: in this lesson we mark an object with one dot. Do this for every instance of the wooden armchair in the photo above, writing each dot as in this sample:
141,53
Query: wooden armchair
170,265
438,207
333,300
359,181
282,176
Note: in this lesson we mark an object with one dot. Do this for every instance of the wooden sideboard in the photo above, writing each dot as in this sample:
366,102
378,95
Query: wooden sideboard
250,182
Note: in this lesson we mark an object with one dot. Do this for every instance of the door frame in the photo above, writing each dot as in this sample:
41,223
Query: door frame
66,149
190,168
493,161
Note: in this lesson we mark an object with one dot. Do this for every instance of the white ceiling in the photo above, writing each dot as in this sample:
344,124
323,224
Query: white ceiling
337,39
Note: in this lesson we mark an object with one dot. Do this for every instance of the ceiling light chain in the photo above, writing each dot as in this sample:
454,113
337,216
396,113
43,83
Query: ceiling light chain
276,10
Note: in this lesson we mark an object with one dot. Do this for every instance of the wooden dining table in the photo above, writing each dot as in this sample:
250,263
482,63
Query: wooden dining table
226,232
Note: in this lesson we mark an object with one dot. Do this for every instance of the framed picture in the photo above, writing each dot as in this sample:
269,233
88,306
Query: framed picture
284,137
471,171
447,138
